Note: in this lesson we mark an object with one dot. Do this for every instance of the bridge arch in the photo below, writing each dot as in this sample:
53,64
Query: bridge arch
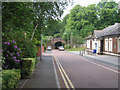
59,43
56,42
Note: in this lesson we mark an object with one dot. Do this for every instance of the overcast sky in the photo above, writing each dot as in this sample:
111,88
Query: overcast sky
82,3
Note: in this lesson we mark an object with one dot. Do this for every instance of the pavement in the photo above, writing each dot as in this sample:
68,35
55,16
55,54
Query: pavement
44,75
107,59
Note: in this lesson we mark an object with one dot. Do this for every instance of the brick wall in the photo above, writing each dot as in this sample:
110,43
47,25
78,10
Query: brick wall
39,50
91,44
115,45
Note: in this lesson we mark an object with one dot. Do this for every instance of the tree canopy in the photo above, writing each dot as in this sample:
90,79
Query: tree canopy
82,21
24,16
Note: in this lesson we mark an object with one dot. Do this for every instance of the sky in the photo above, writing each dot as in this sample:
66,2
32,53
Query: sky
82,3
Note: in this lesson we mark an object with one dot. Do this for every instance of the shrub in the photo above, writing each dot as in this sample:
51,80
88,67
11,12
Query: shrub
24,42
28,65
0,81
11,55
67,46
10,78
28,48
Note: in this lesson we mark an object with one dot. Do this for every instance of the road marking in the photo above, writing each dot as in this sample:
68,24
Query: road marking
103,66
57,81
66,75
66,84
58,62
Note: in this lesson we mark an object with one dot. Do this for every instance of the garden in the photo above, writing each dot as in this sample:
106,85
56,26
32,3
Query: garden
22,26
18,61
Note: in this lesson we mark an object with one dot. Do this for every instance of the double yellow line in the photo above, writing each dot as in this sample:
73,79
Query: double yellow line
63,74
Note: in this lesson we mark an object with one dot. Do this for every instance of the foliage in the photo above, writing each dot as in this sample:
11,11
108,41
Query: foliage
67,46
10,78
48,13
16,16
78,49
28,49
28,65
46,41
77,40
83,20
37,42
12,55
20,19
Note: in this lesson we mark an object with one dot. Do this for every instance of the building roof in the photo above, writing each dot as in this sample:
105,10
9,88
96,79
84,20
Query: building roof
112,30
89,37
98,33
109,31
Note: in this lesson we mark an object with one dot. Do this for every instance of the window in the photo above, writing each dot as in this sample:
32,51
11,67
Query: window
106,44
110,44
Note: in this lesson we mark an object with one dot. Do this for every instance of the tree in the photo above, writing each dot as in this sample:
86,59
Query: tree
48,13
16,16
107,12
83,20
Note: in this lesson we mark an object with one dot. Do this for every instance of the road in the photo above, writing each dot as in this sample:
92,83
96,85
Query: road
78,72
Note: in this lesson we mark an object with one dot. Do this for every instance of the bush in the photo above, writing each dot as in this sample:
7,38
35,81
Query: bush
11,55
24,42
0,81
28,65
67,46
10,78
28,49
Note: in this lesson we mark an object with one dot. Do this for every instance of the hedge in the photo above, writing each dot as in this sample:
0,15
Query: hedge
10,78
0,82
28,65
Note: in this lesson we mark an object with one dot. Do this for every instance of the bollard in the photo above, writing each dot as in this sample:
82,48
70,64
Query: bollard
80,53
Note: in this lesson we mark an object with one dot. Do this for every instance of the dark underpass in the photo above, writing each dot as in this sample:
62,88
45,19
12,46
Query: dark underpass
57,44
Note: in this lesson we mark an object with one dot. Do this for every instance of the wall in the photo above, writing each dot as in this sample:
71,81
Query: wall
114,45
39,50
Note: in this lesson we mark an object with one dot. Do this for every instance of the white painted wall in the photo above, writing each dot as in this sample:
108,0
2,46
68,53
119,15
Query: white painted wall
88,43
106,44
95,41
110,44
93,44
98,46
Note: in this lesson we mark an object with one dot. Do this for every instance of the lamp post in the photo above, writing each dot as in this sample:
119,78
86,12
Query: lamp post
67,41
41,47
71,40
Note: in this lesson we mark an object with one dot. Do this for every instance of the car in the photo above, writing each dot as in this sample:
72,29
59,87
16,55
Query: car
61,48
49,48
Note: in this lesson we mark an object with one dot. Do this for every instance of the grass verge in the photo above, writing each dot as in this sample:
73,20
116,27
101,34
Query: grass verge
78,49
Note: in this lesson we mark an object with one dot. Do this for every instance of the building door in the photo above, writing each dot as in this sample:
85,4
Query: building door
102,46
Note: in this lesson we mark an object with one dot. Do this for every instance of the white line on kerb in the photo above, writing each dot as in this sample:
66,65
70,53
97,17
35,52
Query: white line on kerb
102,66
57,80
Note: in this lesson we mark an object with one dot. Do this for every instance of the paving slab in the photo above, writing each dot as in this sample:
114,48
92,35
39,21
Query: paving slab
43,76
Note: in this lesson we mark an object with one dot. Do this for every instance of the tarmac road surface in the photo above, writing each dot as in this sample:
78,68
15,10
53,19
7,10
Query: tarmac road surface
78,72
